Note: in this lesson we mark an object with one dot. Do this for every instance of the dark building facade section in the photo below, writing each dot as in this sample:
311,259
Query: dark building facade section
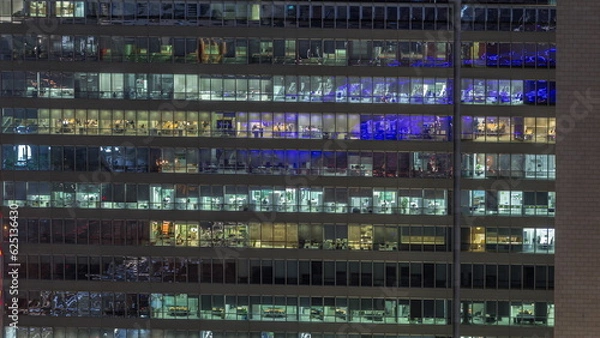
575,298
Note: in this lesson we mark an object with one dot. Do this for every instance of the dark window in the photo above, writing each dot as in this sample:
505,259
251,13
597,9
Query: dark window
354,274
366,274
491,276
279,272
316,269
391,275
193,269
341,273
428,275
416,275
528,277
230,271
516,277
267,272
441,276
242,271
466,276
478,277
206,275
304,273
218,271
378,274
254,271
541,279
404,275
503,276
292,273
329,273
550,278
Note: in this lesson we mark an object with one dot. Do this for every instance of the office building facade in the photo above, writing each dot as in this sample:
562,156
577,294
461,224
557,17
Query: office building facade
277,168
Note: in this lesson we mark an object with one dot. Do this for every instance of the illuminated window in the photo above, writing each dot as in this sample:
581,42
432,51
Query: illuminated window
69,9
38,9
